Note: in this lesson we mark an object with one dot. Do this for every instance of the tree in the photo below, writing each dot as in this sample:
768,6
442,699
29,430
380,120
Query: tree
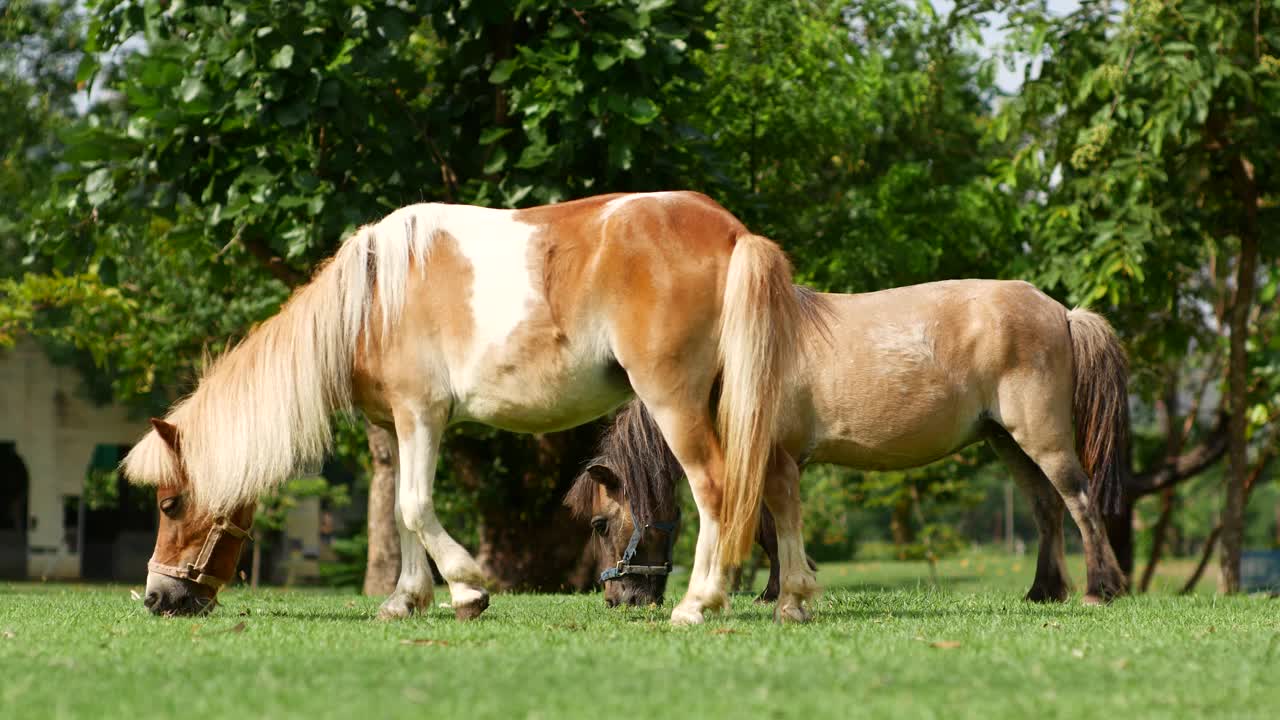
1140,135
233,144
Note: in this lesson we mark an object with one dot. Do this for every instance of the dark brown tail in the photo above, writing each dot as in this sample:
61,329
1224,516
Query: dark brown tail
1100,406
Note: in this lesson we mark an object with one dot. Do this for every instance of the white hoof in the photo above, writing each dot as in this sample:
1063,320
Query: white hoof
400,606
791,614
682,616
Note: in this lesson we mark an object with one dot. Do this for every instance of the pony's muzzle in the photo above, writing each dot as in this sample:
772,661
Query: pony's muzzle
633,594
175,596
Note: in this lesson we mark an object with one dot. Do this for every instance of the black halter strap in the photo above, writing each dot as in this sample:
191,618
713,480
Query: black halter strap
624,566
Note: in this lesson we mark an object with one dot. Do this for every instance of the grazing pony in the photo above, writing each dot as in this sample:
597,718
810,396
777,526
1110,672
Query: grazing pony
901,378
527,320
634,486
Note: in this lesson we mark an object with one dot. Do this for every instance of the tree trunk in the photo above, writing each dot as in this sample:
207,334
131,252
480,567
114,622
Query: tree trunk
384,540
900,525
528,539
1232,538
1158,538
1120,534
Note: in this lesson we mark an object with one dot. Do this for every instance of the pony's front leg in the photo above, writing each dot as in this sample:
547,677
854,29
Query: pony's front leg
419,433
799,584
415,588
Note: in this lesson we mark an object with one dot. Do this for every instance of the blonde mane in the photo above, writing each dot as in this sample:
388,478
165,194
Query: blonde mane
261,412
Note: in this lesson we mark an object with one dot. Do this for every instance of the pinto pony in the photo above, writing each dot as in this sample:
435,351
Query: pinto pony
527,320
901,378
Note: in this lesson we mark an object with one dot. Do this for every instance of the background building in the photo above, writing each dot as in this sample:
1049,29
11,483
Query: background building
64,514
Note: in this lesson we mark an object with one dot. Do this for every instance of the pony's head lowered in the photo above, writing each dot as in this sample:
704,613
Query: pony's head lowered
259,416
196,551
630,482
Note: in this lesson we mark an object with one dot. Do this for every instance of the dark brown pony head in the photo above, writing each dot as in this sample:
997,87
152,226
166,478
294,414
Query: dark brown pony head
630,482
195,553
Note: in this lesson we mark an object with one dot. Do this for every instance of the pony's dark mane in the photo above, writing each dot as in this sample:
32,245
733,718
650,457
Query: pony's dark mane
633,449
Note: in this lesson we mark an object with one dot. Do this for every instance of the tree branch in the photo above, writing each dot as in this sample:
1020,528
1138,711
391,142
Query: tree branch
1185,465
272,262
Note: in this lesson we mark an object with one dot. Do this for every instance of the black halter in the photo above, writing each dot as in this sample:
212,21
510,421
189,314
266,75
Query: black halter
624,566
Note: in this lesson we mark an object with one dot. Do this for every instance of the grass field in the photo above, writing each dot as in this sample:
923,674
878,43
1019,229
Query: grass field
885,643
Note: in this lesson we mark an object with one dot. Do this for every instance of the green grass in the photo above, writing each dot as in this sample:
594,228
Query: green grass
884,643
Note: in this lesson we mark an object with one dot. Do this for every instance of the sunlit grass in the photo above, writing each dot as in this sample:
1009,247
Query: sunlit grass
886,642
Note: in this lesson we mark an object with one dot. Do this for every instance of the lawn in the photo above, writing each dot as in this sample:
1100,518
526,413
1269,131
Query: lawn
885,643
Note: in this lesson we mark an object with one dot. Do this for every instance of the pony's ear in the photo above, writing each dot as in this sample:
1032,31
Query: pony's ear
167,432
604,476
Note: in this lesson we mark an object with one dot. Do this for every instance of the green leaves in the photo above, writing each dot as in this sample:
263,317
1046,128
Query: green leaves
282,59
502,71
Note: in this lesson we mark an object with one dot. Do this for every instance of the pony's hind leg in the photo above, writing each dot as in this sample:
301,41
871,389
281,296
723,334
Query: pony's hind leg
691,436
799,584
1055,455
419,433
1052,582
767,537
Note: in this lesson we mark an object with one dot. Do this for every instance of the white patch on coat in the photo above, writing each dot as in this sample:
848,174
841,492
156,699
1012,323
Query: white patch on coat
616,204
503,291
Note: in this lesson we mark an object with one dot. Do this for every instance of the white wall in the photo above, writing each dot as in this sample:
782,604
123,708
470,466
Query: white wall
55,431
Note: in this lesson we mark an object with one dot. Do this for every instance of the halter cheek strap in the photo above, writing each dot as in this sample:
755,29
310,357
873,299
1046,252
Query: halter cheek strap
198,571
624,566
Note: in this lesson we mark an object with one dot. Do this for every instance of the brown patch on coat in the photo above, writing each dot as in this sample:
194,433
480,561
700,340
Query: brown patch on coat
437,306
588,260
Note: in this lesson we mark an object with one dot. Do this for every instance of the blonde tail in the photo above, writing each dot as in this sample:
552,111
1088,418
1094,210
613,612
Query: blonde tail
763,314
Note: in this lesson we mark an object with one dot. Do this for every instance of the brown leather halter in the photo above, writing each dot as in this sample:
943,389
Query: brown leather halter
198,572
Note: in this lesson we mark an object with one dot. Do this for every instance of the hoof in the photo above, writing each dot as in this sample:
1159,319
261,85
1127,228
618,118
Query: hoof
791,614
684,616
1094,599
471,610
1042,595
401,606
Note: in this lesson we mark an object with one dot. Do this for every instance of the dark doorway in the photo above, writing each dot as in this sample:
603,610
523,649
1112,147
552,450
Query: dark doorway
119,521
15,487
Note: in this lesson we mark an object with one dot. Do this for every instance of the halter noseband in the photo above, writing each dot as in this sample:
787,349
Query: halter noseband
624,566
198,572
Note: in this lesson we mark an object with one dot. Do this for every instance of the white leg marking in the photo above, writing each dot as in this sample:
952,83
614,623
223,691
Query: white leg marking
415,588
419,448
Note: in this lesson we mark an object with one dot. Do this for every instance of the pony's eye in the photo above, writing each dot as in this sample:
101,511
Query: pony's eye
600,524
171,506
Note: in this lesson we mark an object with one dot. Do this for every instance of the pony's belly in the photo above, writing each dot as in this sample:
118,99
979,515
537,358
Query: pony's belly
900,454
869,436
526,400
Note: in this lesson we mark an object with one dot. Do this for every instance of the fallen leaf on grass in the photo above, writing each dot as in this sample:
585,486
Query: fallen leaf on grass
425,641
237,628
1052,624
8,635
135,595
1077,653
945,644
723,631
